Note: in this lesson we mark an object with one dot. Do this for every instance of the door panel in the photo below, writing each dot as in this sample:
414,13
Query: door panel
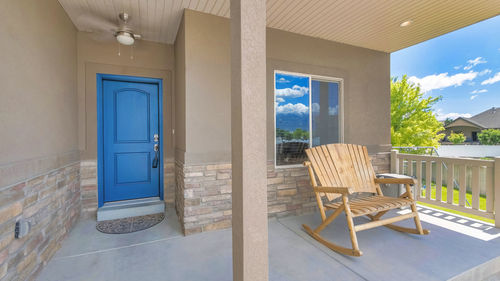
132,127
138,172
130,120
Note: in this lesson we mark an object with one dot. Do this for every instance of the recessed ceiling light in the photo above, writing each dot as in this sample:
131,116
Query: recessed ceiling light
406,23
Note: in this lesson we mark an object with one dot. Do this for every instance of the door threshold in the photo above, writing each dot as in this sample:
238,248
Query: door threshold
130,208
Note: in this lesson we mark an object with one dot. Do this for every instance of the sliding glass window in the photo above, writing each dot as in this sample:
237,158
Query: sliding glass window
307,113
325,112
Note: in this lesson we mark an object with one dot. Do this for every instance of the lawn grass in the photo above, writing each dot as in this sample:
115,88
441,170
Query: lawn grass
468,196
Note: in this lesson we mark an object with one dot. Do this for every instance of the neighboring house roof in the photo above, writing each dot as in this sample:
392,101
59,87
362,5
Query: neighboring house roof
489,119
464,122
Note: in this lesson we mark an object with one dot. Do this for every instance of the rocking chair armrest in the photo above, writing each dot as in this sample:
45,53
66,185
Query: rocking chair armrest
410,181
330,189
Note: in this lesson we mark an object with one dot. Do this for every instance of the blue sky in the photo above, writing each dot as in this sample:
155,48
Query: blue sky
292,102
291,89
463,67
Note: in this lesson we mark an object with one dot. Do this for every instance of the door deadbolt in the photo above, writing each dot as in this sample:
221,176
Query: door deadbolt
155,137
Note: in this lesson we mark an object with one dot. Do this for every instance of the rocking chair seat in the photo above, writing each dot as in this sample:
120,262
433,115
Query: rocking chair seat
372,204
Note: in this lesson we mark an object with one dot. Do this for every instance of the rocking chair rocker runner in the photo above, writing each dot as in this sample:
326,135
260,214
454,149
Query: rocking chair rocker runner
343,169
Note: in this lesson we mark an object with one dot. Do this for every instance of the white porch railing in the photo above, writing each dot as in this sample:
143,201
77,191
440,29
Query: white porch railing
475,183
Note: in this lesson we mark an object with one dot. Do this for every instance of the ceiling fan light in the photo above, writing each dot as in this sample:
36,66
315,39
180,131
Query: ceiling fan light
125,38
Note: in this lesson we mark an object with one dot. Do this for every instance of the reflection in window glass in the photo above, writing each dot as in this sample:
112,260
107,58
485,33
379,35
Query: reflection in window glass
292,118
325,112
307,112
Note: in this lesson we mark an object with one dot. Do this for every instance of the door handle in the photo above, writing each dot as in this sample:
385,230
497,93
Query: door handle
156,159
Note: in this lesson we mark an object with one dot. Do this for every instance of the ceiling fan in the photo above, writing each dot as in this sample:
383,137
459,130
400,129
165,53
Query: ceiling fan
104,29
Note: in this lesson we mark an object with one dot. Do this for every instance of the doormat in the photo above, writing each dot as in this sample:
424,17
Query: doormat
128,225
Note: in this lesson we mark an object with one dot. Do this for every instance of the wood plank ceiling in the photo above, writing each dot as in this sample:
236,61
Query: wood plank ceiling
373,24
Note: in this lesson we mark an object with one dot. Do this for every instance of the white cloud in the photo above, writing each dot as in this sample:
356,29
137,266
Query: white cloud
473,97
479,91
315,107
440,81
474,62
484,72
332,110
282,80
294,92
289,108
457,67
452,115
278,100
492,80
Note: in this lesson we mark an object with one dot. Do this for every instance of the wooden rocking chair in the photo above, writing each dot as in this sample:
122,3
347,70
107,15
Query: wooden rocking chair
343,169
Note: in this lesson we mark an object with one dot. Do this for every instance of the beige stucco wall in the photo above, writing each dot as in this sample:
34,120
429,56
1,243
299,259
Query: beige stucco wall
366,75
150,60
38,99
365,72
180,92
207,88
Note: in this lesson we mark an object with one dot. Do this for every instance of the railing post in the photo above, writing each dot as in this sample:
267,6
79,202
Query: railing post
394,161
496,190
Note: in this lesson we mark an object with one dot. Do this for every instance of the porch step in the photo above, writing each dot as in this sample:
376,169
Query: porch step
130,208
489,270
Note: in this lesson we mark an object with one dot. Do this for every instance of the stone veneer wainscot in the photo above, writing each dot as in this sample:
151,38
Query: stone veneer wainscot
203,193
51,203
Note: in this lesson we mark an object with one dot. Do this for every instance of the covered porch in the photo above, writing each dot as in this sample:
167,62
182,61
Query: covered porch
458,249
208,74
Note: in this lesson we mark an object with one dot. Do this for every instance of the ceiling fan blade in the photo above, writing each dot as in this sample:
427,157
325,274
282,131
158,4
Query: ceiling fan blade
91,23
102,36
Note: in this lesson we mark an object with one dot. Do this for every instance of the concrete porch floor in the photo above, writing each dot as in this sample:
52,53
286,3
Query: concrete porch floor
456,248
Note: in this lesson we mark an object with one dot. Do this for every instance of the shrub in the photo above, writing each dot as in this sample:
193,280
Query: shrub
456,138
489,137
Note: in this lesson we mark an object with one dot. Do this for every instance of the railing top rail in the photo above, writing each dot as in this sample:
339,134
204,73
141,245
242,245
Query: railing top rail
463,161
402,149
412,147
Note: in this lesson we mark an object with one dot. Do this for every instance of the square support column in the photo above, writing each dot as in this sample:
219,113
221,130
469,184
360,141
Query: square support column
248,137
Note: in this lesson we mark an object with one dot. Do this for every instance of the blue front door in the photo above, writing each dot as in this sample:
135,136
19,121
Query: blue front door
130,132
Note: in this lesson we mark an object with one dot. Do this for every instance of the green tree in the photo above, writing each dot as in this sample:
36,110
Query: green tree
300,134
489,137
456,138
413,122
284,134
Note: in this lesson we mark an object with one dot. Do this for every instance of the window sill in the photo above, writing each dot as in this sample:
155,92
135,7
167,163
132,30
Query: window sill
288,166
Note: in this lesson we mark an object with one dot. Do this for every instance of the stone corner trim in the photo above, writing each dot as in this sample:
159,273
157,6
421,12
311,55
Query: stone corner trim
203,197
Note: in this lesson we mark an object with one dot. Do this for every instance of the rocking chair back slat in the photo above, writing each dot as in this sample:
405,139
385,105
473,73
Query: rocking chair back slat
343,165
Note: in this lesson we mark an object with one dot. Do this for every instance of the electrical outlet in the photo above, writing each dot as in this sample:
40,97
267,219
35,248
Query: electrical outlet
22,228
